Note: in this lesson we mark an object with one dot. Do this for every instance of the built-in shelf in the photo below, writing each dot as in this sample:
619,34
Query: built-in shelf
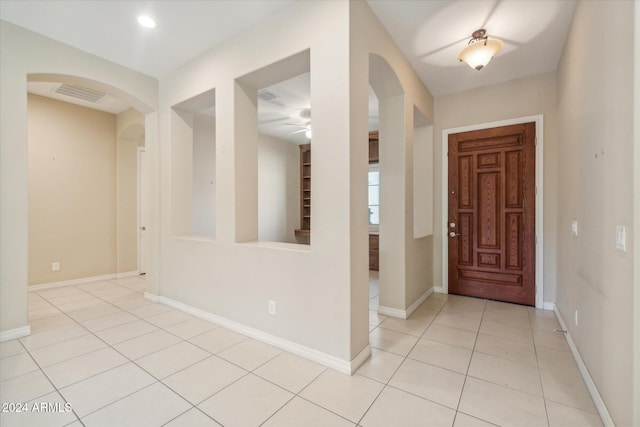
305,191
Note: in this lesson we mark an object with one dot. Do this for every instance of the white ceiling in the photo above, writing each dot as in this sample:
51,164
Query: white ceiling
429,32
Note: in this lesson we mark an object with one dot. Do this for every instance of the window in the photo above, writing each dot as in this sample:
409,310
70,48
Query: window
374,195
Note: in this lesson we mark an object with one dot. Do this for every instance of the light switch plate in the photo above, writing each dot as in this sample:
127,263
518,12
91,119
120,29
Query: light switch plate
574,228
621,238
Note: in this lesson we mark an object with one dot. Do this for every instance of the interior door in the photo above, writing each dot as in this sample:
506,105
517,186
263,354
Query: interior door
491,228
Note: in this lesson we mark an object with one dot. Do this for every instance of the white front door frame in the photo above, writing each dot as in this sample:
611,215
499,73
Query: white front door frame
538,119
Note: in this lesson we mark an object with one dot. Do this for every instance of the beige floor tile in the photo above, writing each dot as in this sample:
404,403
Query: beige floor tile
104,309
565,416
516,375
125,332
37,418
138,347
125,296
41,313
347,396
249,354
464,420
136,283
555,340
392,341
80,305
443,355
543,322
191,328
203,379
11,348
65,350
501,405
109,321
376,318
397,408
498,306
512,318
109,294
557,362
380,366
170,360
82,367
506,348
81,297
408,326
217,340
505,330
247,402
14,366
103,389
448,335
430,382
299,412
568,390
133,301
54,336
25,387
424,313
457,303
60,292
150,310
97,286
470,322
169,318
193,418
290,372
150,407
48,323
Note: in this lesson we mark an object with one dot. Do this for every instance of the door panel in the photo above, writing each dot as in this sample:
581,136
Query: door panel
492,213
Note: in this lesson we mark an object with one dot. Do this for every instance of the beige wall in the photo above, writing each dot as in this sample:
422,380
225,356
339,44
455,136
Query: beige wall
518,98
204,176
22,55
595,142
72,191
82,190
278,189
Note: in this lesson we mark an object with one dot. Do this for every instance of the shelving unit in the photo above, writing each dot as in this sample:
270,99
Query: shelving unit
305,191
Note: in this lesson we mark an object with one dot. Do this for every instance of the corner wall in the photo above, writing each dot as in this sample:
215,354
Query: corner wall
595,179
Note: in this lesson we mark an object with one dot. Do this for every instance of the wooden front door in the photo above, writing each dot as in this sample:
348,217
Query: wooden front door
491,223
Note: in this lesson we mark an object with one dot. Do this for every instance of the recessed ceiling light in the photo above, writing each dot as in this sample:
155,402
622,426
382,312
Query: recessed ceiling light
146,21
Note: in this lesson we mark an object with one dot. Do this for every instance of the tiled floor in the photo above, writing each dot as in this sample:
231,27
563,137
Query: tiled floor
120,360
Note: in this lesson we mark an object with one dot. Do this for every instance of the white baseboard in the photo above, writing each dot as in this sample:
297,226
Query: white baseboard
591,386
44,286
438,289
549,306
340,365
404,314
127,274
12,334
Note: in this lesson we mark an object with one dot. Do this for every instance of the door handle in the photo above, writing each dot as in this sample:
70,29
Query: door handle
453,234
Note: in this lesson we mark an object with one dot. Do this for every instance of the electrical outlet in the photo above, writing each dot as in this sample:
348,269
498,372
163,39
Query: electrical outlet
576,316
272,307
574,228
55,266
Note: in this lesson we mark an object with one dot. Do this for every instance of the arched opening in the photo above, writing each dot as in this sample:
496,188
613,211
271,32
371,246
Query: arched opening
84,197
389,177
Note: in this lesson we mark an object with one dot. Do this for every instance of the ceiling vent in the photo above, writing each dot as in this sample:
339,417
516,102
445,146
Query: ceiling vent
80,92
265,95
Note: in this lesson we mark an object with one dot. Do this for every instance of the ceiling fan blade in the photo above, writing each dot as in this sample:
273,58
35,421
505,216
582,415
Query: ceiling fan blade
298,131
264,122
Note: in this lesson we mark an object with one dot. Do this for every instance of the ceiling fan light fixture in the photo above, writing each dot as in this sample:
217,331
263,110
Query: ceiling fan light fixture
307,133
146,21
480,50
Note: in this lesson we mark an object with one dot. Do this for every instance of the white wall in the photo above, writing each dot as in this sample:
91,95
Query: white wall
278,189
23,53
405,262
204,176
595,182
